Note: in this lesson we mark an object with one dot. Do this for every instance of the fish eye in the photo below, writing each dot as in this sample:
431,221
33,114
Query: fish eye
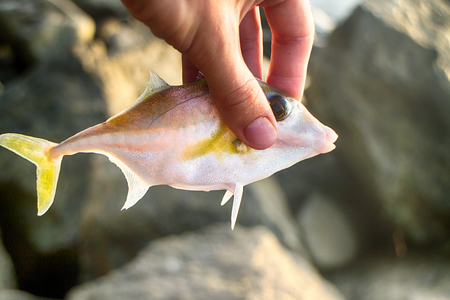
281,108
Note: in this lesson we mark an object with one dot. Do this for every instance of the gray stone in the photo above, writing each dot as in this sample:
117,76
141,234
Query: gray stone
415,277
382,84
40,29
328,234
18,295
103,8
324,25
120,36
216,263
338,11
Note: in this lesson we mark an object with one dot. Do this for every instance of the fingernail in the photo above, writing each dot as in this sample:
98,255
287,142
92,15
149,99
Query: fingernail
260,133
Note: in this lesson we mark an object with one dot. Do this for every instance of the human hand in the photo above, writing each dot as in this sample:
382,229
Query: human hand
223,39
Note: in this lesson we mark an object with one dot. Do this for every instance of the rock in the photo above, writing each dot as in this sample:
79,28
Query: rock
267,206
18,295
125,76
7,275
382,84
40,29
328,234
103,8
415,277
337,11
216,263
111,237
121,36
323,25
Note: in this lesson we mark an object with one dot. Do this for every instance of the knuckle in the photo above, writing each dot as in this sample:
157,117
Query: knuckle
242,98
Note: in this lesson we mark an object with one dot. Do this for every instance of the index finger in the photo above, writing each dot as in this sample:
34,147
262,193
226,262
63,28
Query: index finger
292,28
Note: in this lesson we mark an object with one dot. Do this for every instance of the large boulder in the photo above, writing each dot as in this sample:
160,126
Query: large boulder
19,295
328,232
40,29
103,8
382,82
414,277
215,263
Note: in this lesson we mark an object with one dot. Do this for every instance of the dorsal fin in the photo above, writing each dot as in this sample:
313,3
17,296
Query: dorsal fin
154,83
200,76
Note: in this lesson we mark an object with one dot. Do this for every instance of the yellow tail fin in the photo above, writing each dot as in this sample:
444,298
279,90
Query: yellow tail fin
36,151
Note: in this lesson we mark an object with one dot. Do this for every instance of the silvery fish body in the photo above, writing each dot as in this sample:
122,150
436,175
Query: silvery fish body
173,135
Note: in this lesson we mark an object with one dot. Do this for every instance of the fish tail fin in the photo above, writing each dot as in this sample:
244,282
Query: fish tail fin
47,169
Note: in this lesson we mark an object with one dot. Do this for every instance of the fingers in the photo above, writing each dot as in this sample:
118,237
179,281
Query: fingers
292,38
250,32
242,105
238,97
208,35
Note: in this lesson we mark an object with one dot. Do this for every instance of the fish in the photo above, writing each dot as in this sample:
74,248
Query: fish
173,135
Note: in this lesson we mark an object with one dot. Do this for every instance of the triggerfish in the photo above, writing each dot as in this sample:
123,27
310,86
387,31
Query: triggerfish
173,135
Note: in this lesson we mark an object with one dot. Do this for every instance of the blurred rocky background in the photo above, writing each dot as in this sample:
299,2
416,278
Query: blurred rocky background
371,220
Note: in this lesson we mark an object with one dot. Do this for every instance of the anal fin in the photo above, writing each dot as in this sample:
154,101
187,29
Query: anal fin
238,191
136,187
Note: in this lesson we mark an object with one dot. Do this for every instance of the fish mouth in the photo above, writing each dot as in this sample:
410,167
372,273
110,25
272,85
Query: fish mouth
330,138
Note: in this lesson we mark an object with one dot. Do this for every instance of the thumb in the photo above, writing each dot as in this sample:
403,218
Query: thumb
237,95
241,103
243,106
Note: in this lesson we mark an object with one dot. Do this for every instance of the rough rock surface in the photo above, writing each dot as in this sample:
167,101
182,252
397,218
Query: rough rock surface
328,233
383,84
417,277
216,263
18,295
40,29
103,8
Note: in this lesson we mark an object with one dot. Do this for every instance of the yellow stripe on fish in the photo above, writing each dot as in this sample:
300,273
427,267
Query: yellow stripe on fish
223,142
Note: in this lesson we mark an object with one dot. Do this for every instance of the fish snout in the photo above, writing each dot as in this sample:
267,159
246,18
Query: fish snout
330,138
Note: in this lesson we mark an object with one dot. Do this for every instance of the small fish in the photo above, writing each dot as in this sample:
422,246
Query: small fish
173,135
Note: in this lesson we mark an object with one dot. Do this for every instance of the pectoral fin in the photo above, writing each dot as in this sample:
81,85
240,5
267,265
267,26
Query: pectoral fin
226,197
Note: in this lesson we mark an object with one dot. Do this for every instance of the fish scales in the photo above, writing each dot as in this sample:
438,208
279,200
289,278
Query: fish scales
173,135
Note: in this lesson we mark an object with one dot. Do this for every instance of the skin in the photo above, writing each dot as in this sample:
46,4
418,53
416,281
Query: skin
223,39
